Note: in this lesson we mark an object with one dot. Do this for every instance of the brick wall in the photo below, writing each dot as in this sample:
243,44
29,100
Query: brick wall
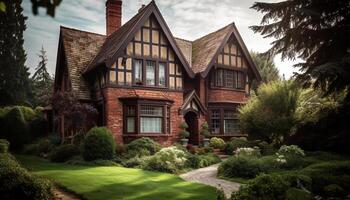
217,95
114,113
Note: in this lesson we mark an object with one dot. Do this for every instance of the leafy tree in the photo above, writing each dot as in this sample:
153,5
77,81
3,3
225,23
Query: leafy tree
317,31
42,82
14,75
266,67
78,116
50,6
270,114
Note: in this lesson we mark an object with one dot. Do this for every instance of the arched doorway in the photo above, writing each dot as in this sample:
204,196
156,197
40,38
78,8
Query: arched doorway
191,118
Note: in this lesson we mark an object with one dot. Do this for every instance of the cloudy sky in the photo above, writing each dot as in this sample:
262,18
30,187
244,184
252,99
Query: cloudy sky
188,19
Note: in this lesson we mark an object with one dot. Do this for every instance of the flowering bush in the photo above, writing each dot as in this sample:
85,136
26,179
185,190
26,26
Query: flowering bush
217,143
247,151
291,150
280,158
170,159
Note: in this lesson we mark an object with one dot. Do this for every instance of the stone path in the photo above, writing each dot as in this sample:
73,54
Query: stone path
208,176
60,194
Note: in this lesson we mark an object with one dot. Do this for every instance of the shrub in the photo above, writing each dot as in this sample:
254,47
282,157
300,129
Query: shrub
98,144
183,133
41,147
328,173
4,146
247,151
265,148
291,150
63,153
235,143
240,166
297,194
217,143
135,162
142,145
334,190
205,130
199,161
168,159
18,183
271,187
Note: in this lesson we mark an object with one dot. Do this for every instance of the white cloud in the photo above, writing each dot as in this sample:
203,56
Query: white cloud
189,19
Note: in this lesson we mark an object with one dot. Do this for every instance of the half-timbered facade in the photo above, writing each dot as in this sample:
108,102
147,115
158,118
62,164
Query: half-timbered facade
146,82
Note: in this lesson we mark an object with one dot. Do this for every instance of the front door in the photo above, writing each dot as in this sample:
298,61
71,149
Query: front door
191,119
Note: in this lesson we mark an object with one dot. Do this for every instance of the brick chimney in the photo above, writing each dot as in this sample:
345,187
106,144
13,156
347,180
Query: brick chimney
113,16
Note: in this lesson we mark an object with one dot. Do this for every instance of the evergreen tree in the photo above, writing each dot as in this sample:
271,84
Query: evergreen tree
14,75
266,67
317,31
42,82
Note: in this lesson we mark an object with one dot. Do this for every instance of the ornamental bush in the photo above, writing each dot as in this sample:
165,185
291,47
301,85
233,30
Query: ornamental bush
247,151
271,187
217,143
170,159
142,147
235,143
17,183
64,152
198,161
98,144
291,150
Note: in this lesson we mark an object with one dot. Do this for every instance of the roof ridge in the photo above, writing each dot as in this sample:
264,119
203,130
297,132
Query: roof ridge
75,29
218,30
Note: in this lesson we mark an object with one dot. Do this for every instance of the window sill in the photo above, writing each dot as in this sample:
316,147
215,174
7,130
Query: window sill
147,135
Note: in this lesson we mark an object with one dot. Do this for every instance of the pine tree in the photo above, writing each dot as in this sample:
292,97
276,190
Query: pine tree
42,82
318,32
14,75
266,67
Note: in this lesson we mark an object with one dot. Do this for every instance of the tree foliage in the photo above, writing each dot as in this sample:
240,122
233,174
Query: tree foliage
317,31
270,114
42,82
14,76
266,67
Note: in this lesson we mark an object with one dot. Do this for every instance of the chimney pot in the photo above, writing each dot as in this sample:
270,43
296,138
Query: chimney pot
113,16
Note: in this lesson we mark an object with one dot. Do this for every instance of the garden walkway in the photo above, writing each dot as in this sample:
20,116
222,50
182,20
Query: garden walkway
208,176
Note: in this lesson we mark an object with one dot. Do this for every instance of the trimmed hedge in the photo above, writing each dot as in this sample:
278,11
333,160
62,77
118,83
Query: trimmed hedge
98,144
142,147
18,183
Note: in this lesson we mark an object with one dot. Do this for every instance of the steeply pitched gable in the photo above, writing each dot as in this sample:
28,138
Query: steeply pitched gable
79,48
116,42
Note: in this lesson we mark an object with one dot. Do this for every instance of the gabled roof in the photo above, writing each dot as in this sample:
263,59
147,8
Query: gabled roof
205,49
79,48
114,43
187,104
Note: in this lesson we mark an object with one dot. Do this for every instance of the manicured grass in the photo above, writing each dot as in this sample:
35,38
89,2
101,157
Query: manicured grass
107,183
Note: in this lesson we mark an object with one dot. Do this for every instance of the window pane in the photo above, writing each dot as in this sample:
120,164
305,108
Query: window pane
155,51
130,124
219,77
162,39
179,83
234,79
147,23
151,125
138,71
112,76
121,78
161,74
151,111
239,80
146,50
120,63
229,78
155,37
146,35
163,52
168,120
131,111
137,49
231,126
229,114
171,55
226,49
130,49
178,70
150,73
215,121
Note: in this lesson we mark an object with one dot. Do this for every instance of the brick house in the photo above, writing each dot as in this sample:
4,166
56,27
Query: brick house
146,82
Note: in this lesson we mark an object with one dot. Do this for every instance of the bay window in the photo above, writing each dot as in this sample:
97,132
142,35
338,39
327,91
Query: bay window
147,118
226,78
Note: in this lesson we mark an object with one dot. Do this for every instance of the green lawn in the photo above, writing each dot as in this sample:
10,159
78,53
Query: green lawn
105,183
